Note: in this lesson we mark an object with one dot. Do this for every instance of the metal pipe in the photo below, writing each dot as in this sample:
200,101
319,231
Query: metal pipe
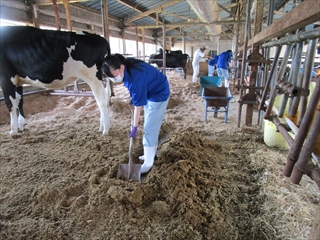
273,96
295,67
271,74
314,33
296,63
308,65
266,81
296,100
284,62
271,12
291,89
303,166
290,79
303,131
244,56
274,90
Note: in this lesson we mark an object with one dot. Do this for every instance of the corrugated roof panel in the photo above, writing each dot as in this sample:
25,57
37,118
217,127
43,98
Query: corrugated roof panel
178,12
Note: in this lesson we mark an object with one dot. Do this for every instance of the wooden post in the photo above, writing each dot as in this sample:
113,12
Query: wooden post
66,6
164,50
35,15
137,42
124,48
56,14
143,46
105,19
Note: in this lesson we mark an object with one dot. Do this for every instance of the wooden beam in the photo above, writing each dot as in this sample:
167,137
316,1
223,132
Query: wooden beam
304,14
188,24
144,14
227,10
129,5
49,2
200,35
174,15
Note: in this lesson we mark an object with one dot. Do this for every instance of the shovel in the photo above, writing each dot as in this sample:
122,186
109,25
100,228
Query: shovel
130,170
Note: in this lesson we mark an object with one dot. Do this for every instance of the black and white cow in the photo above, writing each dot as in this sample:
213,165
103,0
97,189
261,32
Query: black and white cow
50,59
172,61
175,52
170,51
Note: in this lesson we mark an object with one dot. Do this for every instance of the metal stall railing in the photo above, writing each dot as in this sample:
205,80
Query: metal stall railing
302,115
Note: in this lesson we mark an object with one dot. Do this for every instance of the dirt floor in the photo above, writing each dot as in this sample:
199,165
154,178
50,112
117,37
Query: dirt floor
210,180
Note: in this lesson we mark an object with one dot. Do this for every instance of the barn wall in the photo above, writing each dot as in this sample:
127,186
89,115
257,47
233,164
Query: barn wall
82,19
220,46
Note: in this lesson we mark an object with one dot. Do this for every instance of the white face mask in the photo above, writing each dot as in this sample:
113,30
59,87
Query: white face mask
117,79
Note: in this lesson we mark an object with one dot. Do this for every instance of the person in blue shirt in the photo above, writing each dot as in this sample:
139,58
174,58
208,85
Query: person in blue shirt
212,65
223,65
148,88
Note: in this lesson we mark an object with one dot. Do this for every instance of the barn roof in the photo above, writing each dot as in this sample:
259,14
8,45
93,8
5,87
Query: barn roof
192,18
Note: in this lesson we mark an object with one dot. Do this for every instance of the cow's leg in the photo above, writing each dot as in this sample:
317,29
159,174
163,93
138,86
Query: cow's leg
13,115
19,100
185,72
102,96
9,93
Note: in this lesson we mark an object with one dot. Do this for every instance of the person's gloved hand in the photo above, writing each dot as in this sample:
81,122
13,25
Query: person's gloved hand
133,132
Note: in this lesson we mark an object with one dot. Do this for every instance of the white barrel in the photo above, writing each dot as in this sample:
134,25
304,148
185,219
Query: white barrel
272,137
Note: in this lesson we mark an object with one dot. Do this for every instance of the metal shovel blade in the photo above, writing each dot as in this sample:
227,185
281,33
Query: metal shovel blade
130,170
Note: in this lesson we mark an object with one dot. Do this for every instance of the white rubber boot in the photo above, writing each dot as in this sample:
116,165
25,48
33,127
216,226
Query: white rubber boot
149,153
142,157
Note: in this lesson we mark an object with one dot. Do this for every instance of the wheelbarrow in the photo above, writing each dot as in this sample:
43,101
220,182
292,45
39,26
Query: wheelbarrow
216,98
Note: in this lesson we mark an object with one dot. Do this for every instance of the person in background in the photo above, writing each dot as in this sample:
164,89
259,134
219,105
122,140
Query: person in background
148,88
199,53
223,65
212,65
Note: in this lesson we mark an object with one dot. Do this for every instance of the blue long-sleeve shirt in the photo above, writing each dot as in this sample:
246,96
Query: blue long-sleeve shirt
146,84
213,60
224,59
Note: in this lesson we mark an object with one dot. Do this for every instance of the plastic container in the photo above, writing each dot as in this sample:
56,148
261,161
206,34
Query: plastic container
272,137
